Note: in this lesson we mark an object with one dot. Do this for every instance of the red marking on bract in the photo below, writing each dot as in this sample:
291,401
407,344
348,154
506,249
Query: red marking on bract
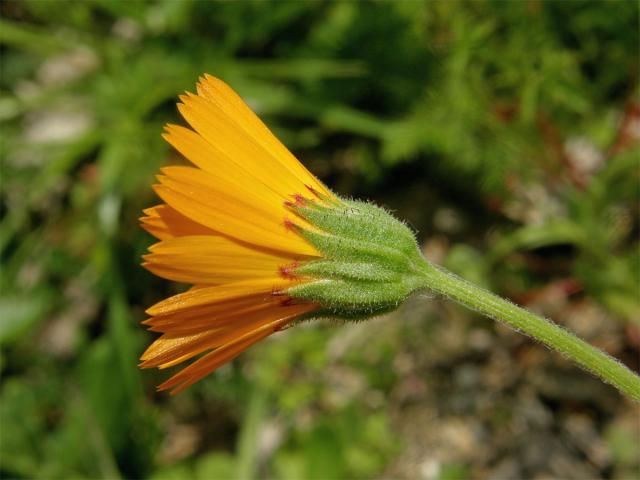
288,271
299,201
290,225
314,191
286,302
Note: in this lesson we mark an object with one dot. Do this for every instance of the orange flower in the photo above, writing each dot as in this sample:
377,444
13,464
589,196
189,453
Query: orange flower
225,228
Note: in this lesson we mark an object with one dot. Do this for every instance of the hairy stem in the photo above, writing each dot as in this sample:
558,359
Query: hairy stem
588,357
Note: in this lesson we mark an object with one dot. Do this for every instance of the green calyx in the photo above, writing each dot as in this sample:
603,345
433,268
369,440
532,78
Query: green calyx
371,261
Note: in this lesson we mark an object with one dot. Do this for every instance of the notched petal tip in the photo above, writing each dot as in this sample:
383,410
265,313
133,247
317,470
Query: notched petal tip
160,178
170,128
151,211
213,78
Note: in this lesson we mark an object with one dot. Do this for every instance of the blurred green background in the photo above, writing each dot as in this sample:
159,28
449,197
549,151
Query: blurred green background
505,133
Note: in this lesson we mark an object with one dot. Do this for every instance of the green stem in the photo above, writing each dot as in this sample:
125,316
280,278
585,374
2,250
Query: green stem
592,359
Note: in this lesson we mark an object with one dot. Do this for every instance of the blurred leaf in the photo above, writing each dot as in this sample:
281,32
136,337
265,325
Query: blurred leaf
30,38
21,312
453,471
247,464
217,465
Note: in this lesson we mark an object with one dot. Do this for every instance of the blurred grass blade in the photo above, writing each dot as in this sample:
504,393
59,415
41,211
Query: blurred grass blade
247,465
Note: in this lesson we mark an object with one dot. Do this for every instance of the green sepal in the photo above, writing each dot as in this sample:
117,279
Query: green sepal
351,298
352,250
365,271
358,220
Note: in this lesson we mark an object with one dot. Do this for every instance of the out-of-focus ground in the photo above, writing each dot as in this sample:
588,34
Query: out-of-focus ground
505,133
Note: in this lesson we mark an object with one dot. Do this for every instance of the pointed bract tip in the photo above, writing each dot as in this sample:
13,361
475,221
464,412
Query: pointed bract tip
291,225
275,292
288,271
314,192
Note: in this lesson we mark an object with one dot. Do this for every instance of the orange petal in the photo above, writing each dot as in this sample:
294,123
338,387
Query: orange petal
231,218
225,102
208,363
222,167
207,296
212,260
171,348
196,318
242,142
164,222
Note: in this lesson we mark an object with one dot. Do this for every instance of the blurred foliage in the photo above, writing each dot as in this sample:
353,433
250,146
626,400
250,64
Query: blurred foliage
505,132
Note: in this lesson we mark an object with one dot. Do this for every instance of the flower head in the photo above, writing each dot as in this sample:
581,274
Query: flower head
263,242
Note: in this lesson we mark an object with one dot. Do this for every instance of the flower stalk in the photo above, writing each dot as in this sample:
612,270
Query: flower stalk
590,358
